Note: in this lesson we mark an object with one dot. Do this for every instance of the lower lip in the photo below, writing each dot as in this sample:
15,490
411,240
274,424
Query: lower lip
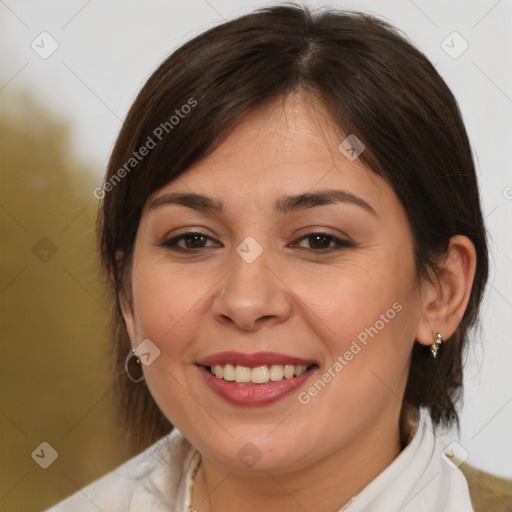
254,394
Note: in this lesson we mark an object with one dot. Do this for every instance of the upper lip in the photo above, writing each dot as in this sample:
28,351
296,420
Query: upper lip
253,360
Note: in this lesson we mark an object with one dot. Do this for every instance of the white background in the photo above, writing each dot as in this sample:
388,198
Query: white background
108,48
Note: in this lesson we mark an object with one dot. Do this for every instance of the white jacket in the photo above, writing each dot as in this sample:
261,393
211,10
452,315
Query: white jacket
420,479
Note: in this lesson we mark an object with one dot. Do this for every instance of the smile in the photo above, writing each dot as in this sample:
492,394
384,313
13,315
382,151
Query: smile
259,374
255,379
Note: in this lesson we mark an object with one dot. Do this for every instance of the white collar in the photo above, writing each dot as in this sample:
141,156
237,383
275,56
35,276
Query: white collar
420,479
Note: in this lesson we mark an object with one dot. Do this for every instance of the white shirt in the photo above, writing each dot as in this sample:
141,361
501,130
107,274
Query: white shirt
159,479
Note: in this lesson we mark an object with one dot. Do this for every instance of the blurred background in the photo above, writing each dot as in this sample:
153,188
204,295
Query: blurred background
70,70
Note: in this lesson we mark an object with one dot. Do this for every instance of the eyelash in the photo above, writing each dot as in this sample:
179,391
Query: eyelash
340,244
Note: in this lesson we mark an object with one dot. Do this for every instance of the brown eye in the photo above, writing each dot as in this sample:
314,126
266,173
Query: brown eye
192,241
318,242
321,242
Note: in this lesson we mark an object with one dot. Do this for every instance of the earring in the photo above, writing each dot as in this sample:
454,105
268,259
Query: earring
437,343
127,369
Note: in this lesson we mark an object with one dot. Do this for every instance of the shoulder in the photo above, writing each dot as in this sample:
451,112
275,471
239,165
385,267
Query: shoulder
150,480
488,492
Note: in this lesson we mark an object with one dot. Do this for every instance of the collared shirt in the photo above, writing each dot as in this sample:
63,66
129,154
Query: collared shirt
425,477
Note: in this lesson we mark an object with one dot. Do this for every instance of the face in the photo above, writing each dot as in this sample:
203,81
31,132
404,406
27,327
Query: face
314,302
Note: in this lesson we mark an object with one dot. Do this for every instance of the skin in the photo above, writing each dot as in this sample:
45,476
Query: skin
293,299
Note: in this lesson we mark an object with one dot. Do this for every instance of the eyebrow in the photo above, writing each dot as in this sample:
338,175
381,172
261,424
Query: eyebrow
284,205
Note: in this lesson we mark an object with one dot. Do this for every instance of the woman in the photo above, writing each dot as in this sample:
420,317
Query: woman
291,229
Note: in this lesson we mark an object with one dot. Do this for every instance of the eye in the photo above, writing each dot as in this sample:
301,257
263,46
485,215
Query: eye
321,242
193,240
318,242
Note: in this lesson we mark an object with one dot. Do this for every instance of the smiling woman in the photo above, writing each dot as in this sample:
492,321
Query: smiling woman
294,270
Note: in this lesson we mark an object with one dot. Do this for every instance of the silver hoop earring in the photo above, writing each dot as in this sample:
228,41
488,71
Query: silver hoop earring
437,343
127,369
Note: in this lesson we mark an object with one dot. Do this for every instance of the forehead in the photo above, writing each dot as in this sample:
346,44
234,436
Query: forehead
288,147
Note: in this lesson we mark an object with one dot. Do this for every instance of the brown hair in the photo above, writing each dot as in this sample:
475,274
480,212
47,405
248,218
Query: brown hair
375,85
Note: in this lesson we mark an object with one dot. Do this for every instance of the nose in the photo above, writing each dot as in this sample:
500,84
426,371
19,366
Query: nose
252,294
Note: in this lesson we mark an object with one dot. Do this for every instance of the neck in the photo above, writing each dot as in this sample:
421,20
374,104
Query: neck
327,485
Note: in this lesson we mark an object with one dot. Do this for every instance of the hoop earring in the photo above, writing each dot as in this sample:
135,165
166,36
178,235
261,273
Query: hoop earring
437,343
127,369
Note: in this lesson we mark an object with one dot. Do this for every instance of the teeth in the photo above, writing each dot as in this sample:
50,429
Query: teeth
276,372
300,369
289,371
242,374
228,372
259,374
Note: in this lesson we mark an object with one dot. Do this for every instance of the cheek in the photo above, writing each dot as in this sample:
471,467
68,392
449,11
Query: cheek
356,304
167,304
366,319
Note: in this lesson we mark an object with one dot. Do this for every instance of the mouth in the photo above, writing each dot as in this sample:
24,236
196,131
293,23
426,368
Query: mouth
245,375
255,379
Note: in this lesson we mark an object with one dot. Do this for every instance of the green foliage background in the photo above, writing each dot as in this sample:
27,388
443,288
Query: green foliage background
54,318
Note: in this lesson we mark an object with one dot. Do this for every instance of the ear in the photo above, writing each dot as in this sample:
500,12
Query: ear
125,298
126,306
445,299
